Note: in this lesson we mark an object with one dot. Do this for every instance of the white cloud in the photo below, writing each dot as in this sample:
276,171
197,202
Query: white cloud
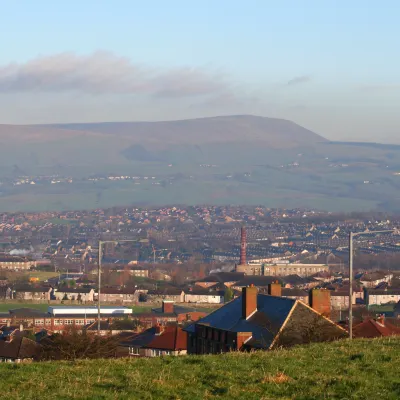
106,73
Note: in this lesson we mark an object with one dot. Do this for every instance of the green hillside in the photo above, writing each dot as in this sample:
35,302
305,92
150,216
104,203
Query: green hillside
364,369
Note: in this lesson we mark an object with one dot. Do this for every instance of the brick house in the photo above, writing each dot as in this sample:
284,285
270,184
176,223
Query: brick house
32,293
18,350
113,295
79,294
296,294
373,279
64,318
258,321
397,310
5,292
373,328
208,296
226,278
169,313
173,294
156,341
381,296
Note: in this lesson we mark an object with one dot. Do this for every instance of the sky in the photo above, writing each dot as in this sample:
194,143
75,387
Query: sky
331,66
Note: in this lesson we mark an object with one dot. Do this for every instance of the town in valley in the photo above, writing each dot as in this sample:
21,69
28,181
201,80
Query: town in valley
183,280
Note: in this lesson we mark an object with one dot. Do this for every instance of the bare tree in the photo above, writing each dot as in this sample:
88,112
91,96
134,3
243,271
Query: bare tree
75,344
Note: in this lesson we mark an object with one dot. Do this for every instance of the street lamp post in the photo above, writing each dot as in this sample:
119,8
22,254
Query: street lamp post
101,243
352,235
99,288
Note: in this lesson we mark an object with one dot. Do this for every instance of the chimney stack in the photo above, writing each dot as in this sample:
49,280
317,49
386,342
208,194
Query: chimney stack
249,301
168,307
243,245
275,289
159,329
320,301
381,319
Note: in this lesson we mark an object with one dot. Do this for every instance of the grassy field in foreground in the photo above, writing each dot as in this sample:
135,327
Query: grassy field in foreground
364,369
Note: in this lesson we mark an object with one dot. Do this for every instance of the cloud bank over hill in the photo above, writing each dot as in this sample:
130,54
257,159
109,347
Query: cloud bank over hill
107,73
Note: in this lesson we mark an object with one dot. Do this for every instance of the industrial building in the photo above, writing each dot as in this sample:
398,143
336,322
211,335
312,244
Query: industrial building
274,269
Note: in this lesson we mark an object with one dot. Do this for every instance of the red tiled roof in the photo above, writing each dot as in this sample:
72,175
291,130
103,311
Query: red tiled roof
372,329
172,338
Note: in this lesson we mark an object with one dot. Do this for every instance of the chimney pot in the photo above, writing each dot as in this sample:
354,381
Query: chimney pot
381,319
159,329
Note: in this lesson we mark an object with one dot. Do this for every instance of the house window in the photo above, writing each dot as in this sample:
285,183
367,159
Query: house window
223,337
193,341
133,351
48,321
39,322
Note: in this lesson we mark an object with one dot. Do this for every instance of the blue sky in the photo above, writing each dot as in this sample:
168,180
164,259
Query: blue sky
332,66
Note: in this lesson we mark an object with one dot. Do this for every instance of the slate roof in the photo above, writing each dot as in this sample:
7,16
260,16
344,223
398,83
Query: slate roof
204,292
32,289
383,291
166,292
257,280
140,340
104,326
177,310
374,276
295,279
117,291
29,313
294,292
79,290
222,277
19,348
264,324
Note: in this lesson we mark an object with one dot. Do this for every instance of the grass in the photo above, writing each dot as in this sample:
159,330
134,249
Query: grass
4,307
364,369
141,309
42,275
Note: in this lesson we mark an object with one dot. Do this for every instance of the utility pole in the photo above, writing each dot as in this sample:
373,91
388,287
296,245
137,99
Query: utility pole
99,289
101,242
352,235
351,285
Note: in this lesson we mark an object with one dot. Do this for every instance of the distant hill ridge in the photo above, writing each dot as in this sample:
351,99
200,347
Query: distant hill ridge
275,132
